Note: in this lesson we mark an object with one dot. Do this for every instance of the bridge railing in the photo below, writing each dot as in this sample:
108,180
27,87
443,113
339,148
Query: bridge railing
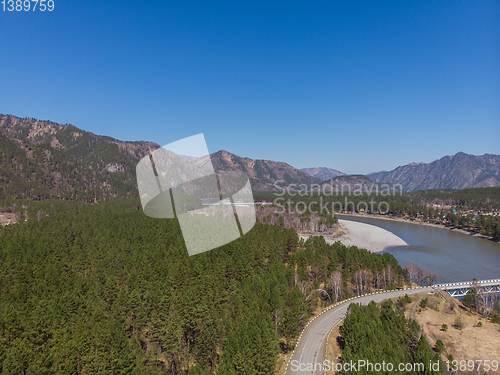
466,283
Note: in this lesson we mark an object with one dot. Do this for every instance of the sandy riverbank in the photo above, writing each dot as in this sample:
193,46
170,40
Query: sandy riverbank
364,236
401,220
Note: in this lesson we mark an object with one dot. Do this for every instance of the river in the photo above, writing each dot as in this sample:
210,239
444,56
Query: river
454,256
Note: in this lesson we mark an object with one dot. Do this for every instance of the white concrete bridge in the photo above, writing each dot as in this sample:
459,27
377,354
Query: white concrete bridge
461,289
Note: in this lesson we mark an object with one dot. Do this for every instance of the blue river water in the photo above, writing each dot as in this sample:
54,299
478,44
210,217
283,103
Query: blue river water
454,256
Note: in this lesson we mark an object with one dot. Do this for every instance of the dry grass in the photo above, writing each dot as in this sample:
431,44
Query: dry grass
468,343
333,351
280,366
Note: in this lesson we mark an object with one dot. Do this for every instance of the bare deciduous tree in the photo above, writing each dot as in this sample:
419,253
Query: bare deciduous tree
303,287
474,288
411,272
378,280
483,300
367,276
277,317
390,274
362,281
384,278
358,282
420,276
416,274
431,278
335,284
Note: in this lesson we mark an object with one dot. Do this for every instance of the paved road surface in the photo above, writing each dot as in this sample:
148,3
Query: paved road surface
311,347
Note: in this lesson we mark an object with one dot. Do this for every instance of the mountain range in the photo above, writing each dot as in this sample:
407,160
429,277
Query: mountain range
350,184
322,173
459,171
46,160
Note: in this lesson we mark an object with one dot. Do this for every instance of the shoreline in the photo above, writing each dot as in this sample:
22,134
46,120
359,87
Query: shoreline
362,235
391,218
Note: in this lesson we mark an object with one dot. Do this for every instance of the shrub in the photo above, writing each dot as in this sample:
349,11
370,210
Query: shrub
459,324
468,300
444,327
440,346
433,305
424,302
479,324
406,299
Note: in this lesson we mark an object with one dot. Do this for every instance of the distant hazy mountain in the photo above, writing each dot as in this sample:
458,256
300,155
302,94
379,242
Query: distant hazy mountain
351,183
322,173
459,171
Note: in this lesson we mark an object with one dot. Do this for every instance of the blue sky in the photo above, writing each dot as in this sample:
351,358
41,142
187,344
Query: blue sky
355,86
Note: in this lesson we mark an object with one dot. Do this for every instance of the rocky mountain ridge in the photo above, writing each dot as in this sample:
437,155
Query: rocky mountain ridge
264,175
459,171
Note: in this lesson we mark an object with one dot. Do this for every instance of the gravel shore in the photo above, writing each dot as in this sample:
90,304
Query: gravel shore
364,236
368,236
401,220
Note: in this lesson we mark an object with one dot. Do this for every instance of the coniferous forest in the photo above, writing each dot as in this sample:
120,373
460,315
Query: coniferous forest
383,334
104,289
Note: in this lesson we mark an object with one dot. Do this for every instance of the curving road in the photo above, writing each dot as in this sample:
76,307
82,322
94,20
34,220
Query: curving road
312,342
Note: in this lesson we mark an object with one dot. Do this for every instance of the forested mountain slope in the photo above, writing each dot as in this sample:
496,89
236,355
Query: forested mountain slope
263,174
44,160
